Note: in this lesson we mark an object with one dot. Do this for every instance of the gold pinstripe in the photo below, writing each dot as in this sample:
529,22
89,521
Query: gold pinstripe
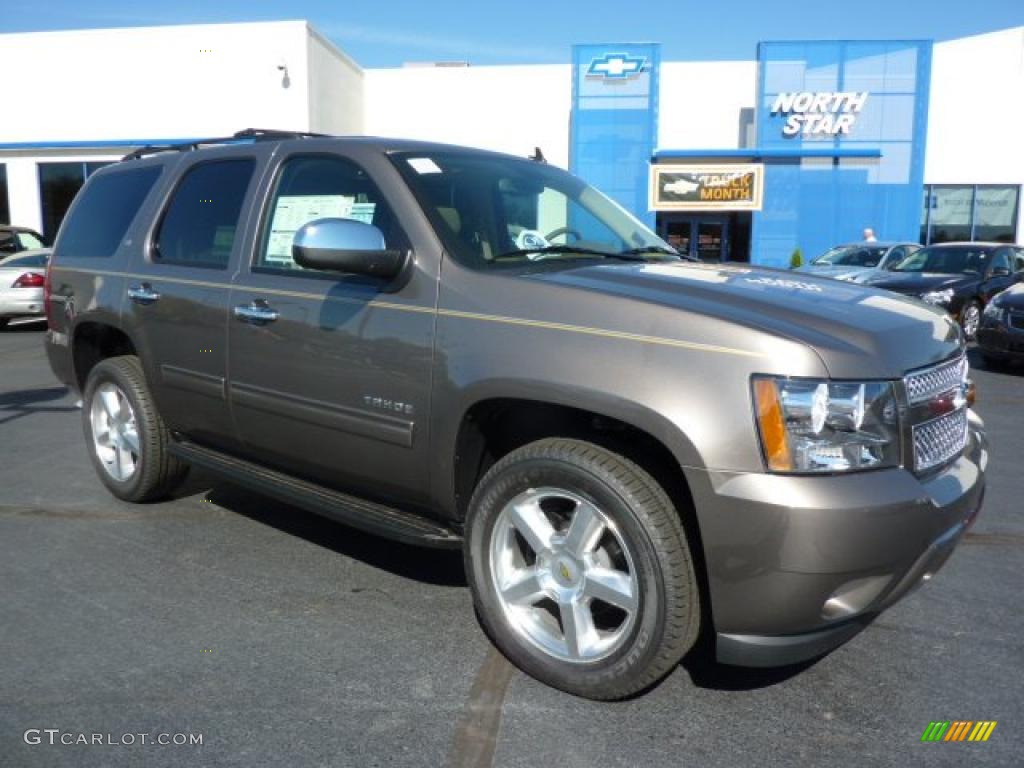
596,332
453,313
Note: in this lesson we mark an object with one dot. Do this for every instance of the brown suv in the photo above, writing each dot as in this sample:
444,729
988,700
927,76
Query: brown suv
458,348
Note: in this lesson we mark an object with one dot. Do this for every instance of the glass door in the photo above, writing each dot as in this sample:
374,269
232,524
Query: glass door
701,236
710,241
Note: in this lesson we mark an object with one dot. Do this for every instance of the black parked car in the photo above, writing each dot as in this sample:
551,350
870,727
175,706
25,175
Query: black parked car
1001,334
959,277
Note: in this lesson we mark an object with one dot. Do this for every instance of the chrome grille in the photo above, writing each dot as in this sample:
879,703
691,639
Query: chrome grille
925,385
939,440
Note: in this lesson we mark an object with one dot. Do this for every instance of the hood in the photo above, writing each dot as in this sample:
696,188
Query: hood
916,283
857,331
836,271
1012,298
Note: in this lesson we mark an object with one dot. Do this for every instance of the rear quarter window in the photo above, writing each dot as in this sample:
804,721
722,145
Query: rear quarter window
99,220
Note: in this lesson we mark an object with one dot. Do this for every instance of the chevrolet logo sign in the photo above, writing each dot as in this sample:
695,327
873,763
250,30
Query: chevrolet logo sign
616,66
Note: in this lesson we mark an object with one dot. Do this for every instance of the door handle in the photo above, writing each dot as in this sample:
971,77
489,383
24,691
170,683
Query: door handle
256,313
143,294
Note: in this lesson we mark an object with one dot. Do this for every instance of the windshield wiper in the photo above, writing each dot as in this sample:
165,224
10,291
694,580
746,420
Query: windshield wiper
656,249
536,254
633,254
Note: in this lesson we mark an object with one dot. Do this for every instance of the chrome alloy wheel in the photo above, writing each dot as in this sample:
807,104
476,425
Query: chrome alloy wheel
563,575
115,434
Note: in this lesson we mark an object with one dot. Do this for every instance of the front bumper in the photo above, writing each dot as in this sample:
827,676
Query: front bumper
798,565
1000,340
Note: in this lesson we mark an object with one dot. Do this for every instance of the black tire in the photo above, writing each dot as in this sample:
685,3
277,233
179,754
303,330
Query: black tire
156,473
668,619
973,306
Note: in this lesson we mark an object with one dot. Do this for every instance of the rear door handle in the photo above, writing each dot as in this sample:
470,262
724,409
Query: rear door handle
256,313
143,294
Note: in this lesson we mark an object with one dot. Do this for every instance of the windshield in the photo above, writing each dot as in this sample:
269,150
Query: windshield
946,260
29,240
851,256
494,211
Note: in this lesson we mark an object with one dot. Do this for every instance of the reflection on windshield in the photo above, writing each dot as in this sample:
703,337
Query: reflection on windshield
492,211
946,261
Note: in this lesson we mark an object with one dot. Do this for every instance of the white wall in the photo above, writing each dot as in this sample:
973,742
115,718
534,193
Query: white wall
976,112
153,82
513,109
700,103
336,90
509,109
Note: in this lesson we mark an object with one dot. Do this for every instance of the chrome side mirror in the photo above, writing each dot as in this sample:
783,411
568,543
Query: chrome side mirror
345,245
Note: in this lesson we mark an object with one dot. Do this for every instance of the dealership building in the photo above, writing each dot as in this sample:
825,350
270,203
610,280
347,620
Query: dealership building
803,146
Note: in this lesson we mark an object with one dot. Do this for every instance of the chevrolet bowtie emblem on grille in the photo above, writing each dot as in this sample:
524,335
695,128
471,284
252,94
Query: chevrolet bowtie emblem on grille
616,66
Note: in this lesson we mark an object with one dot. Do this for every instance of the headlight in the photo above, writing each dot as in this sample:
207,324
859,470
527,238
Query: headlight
815,425
941,298
995,312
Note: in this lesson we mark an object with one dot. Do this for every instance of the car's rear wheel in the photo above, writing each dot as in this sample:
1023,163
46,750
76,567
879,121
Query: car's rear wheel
970,319
126,438
580,569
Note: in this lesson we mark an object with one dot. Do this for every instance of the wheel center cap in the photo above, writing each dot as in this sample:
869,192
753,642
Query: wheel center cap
565,571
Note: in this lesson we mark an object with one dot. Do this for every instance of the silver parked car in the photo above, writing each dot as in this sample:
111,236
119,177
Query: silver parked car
21,284
856,262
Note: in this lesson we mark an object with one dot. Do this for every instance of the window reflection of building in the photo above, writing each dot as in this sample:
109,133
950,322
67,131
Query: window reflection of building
958,212
5,210
58,185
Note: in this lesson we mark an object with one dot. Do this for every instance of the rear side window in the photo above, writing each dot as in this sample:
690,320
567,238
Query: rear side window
199,225
99,220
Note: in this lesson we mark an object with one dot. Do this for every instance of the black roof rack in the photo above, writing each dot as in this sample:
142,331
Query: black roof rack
248,135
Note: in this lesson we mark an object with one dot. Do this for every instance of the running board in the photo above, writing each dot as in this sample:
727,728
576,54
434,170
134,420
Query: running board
359,513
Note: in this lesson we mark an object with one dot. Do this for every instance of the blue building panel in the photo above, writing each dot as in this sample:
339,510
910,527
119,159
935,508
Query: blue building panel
615,118
819,96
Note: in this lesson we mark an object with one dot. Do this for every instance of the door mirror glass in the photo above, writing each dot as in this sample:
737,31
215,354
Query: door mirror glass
345,245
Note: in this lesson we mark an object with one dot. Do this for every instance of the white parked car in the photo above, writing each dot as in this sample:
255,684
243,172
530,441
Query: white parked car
859,262
21,284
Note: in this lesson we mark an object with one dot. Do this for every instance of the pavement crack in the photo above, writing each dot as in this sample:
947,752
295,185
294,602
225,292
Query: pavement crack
476,735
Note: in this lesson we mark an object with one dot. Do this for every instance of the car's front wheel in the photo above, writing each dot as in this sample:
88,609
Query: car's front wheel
970,319
126,437
580,569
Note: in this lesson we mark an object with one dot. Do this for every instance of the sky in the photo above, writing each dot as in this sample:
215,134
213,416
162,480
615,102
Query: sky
388,33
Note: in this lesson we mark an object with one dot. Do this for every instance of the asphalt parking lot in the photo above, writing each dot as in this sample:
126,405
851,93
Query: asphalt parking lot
287,640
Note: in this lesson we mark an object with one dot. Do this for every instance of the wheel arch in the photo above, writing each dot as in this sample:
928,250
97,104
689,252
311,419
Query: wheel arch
491,427
93,341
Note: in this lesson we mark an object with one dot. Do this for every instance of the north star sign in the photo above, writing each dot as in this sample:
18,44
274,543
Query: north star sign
616,66
823,113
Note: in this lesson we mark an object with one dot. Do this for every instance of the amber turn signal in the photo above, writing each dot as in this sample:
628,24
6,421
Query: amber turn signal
772,425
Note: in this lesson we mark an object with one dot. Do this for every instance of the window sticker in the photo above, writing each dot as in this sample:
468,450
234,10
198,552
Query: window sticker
362,212
529,239
293,211
424,165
